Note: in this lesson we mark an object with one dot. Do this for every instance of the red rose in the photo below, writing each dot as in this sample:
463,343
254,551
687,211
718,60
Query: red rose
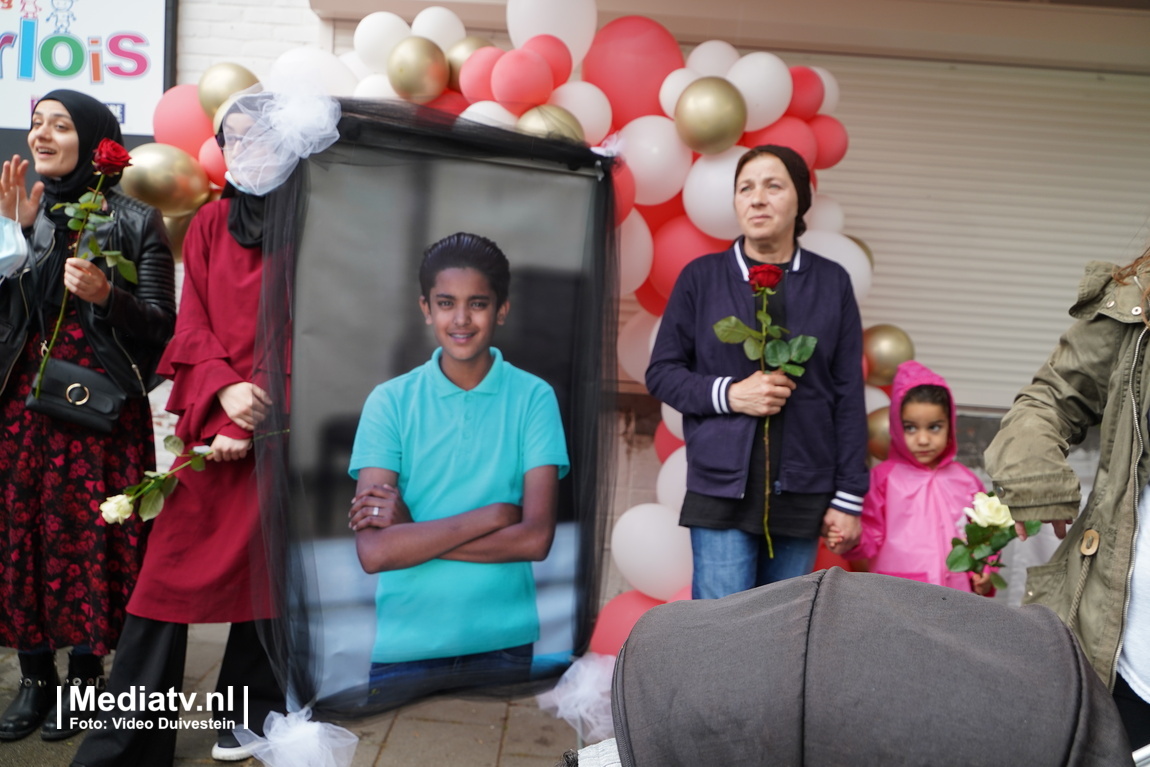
110,158
764,276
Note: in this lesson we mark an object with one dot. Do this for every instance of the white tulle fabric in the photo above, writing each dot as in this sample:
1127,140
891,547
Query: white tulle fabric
296,741
582,697
267,133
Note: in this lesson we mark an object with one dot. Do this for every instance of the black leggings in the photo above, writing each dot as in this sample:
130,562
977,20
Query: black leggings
1135,713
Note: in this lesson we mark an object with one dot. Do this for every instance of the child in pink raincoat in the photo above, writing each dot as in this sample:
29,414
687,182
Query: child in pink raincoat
914,507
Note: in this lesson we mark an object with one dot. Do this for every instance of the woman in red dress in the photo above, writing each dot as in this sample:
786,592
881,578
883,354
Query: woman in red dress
65,575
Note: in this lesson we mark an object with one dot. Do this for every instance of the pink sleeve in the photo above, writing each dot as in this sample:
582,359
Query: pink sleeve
873,517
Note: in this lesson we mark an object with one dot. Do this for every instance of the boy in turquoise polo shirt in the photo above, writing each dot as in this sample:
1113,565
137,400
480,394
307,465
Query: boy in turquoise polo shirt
457,464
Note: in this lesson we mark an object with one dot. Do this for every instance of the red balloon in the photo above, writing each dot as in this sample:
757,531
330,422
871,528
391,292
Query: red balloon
826,559
212,158
652,301
475,74
616,620
657,215
665,442
179,119
555,52
624,190
832,140
628,60
814,180
677,243
807,93
521,79
449,101
789,132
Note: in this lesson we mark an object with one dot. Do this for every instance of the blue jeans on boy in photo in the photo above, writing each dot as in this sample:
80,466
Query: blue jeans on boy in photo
730,561
396,683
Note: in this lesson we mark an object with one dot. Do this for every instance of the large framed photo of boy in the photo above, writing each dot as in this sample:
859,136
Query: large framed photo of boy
380,359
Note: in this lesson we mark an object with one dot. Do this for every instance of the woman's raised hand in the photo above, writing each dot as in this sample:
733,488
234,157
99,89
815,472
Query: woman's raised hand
15,202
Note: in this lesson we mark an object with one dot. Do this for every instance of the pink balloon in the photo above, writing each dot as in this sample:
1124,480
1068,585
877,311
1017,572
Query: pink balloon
475,74
212,158
808,93
449,101
677,243
558,58
665,442
832,140
521,79
624,190
657,215
790,132
180,121
652,301
628,60
616,620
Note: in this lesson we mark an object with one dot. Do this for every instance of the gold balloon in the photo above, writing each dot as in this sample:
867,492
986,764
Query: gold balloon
878,433
710,115
865,249
885,348
458,54
167,178
550,121
221,110
417,69
219,81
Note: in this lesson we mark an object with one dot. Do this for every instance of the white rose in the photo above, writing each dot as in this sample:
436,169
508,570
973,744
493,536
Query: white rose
116,509
989,511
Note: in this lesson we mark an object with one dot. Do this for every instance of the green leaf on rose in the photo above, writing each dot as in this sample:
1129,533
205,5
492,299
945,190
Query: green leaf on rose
169,485
88,196
197,462
802,347
764,318
174,444
794,370
777,353
732,330
753,348
774,331
959,560
982,551
151,504
1032,526
998,581
1001,537
976,534
75,224
127,270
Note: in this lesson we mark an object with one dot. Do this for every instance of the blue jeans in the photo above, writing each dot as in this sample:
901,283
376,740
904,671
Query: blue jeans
396,683
729,561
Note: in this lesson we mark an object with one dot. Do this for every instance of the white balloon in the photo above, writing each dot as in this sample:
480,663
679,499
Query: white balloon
490,113
844,250
765,82
830,91
376,86
633,349
875,398
714,58
708,193
636,252
309,67
672,88
651,550
589,105
375,35
353,62
439,25
657,157
671,484
825,214
572,21
674,420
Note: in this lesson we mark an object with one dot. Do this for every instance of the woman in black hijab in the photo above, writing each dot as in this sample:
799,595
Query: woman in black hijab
65,573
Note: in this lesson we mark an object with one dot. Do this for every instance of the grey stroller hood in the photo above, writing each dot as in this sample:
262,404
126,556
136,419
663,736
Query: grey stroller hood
839,668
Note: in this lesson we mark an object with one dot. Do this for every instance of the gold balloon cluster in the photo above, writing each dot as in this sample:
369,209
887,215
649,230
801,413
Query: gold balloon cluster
710,115
878,432
550,121
220,82
417,69
458,55
885,348
167,178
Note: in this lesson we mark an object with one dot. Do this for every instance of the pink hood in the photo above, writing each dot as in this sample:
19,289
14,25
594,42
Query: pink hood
909,375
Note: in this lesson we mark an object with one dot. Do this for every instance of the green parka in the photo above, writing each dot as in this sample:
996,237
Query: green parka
1096,375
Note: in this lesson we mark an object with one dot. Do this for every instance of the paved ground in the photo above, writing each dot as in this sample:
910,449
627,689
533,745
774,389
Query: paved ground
441,732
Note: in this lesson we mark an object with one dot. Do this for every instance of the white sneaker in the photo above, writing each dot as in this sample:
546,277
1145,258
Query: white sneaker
228,749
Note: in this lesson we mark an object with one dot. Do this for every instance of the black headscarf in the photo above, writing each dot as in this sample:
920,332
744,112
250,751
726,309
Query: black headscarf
94,122
246,213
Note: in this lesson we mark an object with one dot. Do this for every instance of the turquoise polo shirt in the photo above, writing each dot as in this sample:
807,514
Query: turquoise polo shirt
455,451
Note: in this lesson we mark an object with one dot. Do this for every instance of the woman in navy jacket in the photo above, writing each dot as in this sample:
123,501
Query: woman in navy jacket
817,463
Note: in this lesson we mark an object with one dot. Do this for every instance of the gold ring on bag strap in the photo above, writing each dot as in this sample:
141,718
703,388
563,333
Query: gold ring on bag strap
77,402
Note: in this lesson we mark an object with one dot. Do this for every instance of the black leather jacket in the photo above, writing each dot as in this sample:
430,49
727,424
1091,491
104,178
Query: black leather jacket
129,334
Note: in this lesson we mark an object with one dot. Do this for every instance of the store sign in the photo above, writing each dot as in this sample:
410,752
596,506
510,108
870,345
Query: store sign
113,50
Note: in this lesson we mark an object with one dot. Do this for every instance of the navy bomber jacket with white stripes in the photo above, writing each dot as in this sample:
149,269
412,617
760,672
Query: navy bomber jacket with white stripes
825,429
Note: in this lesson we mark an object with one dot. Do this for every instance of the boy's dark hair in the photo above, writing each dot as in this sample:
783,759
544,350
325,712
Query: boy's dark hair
929,394
464,250
570,759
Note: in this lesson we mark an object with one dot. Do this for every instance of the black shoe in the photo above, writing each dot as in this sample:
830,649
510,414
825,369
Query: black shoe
85,670
35,696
